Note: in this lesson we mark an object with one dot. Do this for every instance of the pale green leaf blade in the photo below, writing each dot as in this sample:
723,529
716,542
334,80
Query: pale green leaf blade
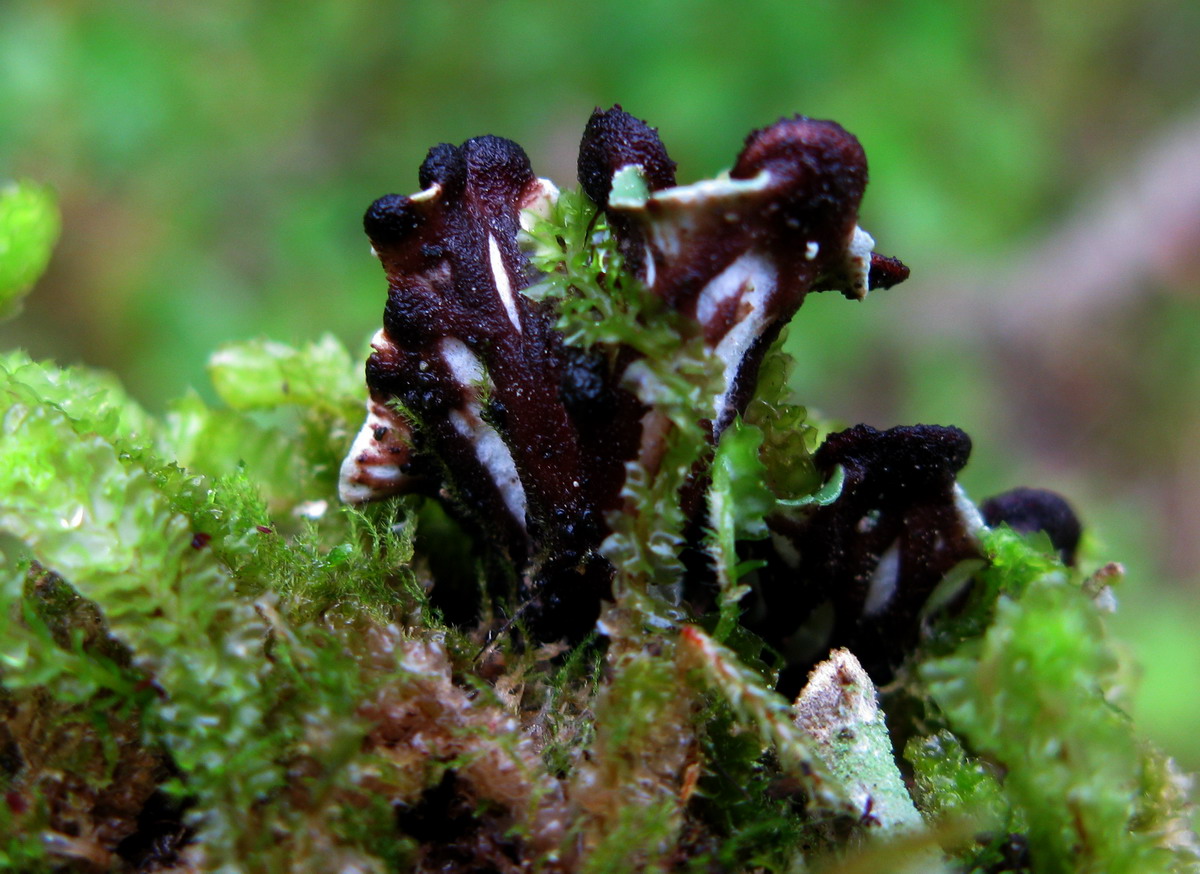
29,226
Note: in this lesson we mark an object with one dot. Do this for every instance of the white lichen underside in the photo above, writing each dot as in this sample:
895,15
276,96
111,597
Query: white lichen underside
366,458
503,285
490,449
858,262
753,277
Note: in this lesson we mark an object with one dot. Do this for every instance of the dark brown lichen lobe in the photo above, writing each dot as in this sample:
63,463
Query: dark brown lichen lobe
739,253
464,353
858,572
817,172
791,199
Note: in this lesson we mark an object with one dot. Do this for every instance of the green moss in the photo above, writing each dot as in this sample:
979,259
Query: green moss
192,579
950,783
738,502
765,712
740,799
1034,694
29,225
789,438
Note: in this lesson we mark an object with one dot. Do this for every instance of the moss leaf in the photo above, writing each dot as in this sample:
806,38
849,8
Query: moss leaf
29,226
264,374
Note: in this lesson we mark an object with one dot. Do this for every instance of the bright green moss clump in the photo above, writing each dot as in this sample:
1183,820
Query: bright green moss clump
28,228
1038,695
206,663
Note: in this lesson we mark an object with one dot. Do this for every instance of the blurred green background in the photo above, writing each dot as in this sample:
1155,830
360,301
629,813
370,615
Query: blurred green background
1037,164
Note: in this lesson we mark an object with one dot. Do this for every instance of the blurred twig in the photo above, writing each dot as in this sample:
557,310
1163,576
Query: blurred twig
1140,231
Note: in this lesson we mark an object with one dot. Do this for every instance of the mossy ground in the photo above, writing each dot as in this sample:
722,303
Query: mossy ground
207,664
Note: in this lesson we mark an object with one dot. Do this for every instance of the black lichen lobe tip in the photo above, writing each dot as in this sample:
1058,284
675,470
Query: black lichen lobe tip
390,219
496,169
901,457
1028,510
443,165
499,171
614,139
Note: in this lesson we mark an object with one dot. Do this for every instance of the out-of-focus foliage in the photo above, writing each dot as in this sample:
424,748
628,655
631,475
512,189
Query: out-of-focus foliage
29,225
213,158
